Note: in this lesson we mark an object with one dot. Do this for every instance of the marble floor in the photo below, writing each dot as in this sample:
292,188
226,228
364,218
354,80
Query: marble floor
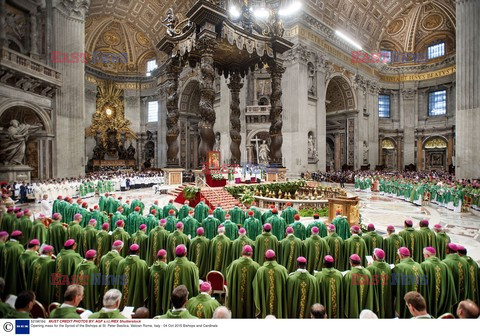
463,228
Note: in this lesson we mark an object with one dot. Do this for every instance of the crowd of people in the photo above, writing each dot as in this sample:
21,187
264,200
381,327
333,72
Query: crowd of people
423,188
119,255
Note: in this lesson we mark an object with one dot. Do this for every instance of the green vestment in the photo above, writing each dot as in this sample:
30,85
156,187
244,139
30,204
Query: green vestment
173,240
264,242
315,249
358,291
220,253
237,215
156,284
65,265
74,231
354,245
239,277
335,244
322,230
157,240
199,254
473,274
25,261
202,306
427,238
219,214
120,234
238,244
104,243
10,259
201,211
442,240
302,289
288,215
269,288
278,226
406,276
210,224
39,231
171,223
289,250
382,289
342,227
65,313
411,239
141,239
459,268
178,314
231,229
253,227
89,271
183,212
373,240
115,314
40,278
190,226
180,272
167,208
391,245
89,240
440,294
108,268
133,273
56,236
299,230
330,287
134,220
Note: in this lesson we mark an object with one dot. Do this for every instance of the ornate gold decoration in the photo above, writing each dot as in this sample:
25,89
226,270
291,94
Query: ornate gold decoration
460,279
395,27
435,143
303,298
419,77
176,277
432,21
415,274
243,282
333,289
111,38
271,300
438,282
388,144
142,39
126,275
110,98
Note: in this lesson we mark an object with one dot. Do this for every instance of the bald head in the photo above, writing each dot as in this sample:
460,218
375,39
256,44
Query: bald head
222,312
141,313
318,311
467,309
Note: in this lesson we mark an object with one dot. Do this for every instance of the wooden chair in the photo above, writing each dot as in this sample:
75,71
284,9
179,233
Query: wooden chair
52,306
446,316
426,198
467,203
217,280
80,310
38,311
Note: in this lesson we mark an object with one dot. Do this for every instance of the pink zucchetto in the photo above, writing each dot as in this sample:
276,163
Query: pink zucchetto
355,257
431,250
331,227
179,225
301,260
408,222
200,231
161,253
267,227
289,229
34,242
134,247
119,223
56,216
328,258
117,243
69,243
105,226
77,216
18,233
269,254
314,230
355,229
242,231
247,249
92,221
205,287
180,250
390,228
404,251
90,254
379,253
142,227
451,246
3,234
47,248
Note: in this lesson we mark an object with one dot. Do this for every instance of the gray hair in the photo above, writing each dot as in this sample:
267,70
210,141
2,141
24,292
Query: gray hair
111,297
73,291
367,314
222,312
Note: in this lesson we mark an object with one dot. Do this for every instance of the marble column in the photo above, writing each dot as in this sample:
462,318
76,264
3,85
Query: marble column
235,86
321,110
173,71
400,165
337,154
380,151
449,150
276,71
207,96
68,28
419,153
33,35
407,111
467,116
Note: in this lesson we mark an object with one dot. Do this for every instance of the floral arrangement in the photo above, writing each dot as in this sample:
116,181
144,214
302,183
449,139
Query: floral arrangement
217,177
190,192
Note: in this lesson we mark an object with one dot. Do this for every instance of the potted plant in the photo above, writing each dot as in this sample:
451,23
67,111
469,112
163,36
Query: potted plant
190,192
247,198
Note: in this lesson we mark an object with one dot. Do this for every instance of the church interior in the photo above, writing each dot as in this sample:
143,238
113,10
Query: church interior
357,114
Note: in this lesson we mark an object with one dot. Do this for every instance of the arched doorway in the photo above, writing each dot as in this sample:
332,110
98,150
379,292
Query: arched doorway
435,149
189,117
339,105
34,128
253,141
389,154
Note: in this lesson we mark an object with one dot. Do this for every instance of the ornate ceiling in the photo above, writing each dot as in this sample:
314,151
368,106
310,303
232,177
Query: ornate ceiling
339,95
135,27
367,20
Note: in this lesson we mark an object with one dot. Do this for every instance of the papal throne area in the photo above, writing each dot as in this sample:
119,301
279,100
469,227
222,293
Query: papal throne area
238,159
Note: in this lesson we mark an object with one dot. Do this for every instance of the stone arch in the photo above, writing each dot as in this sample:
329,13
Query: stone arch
44,117
435,150
190,93
339,88
389,152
